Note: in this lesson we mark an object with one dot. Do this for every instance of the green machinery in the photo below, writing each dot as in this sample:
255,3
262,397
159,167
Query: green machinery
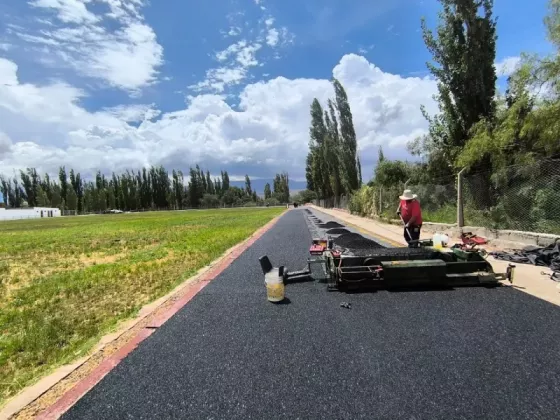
392,268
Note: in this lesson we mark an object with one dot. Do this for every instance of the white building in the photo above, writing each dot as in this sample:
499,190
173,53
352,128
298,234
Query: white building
30,213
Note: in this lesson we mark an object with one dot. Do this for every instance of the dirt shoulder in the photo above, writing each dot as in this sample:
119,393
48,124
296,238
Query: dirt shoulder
528,278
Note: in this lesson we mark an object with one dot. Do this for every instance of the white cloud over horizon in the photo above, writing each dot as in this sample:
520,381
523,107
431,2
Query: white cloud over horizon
115,47
46,125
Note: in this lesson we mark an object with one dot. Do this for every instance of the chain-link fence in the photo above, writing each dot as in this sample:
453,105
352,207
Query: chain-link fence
438,200
520,197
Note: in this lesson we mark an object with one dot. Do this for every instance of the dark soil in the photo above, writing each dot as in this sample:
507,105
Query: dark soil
355,241
330,225
318,221
337,231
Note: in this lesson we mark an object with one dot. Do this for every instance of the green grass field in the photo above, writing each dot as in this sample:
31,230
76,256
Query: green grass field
65,282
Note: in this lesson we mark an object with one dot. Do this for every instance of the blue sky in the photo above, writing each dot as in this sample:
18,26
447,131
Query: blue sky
115,84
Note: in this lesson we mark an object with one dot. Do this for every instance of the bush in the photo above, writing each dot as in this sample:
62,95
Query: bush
209,201
362,202
304,196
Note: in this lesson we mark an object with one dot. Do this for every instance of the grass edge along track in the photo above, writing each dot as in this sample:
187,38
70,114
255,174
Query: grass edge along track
66,282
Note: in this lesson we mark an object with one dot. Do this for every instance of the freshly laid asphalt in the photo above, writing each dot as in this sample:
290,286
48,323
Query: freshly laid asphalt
469,353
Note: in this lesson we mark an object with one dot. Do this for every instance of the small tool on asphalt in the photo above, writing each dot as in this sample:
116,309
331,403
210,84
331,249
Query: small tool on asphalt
287,276
554,276
346,305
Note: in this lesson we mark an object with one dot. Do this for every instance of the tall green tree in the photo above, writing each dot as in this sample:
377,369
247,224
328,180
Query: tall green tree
225,181
42,199
46,185
28,188
211,189
18,194
282,187
309,171
317,133
333,152
72,199
349,145
5,184
56,196
177,188
195,188
77,185
218,187
248,189
267,191
63,179
463,49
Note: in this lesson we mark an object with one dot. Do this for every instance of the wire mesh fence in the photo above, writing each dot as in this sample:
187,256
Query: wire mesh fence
520,197
438,200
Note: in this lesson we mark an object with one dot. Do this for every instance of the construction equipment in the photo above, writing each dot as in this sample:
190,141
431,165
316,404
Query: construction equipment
391,268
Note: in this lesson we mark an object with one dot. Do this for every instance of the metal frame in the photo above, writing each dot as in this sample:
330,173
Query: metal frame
377,271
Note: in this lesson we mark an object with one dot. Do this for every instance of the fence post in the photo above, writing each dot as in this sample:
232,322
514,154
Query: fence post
460,212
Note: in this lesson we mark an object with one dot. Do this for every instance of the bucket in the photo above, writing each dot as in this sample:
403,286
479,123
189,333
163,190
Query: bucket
274,287
440,240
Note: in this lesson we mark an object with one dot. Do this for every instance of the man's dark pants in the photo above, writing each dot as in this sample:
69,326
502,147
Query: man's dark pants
414,235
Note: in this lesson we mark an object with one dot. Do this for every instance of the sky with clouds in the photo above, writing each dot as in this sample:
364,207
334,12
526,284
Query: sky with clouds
227,84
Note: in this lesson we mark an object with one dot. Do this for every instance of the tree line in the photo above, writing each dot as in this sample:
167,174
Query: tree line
333,166
151,188
505,141
479,128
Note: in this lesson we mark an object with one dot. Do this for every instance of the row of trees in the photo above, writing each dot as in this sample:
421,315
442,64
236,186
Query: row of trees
333,166
152,188
478,128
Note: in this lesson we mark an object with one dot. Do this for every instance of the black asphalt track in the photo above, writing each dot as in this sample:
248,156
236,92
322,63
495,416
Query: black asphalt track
470,353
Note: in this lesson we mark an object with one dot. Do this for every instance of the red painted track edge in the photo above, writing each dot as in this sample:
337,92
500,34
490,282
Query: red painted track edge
71,397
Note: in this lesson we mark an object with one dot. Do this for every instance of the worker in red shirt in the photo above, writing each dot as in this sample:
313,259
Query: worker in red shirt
411,214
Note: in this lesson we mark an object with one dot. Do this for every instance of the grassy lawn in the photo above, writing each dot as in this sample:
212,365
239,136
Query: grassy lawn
65,282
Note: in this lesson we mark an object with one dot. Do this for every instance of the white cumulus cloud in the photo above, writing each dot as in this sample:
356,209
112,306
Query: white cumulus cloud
507,66
74,11
118,47
266,133
272,37
237,59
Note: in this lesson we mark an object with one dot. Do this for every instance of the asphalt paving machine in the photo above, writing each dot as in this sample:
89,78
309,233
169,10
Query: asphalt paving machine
392,268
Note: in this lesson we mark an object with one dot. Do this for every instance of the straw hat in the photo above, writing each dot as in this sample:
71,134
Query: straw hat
407,195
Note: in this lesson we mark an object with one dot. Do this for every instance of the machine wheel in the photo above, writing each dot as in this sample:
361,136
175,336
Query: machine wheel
370,261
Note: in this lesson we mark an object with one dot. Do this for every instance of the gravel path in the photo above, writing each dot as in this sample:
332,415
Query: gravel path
229,354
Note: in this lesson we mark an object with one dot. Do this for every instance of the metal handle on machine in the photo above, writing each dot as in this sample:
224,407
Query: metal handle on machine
416,242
